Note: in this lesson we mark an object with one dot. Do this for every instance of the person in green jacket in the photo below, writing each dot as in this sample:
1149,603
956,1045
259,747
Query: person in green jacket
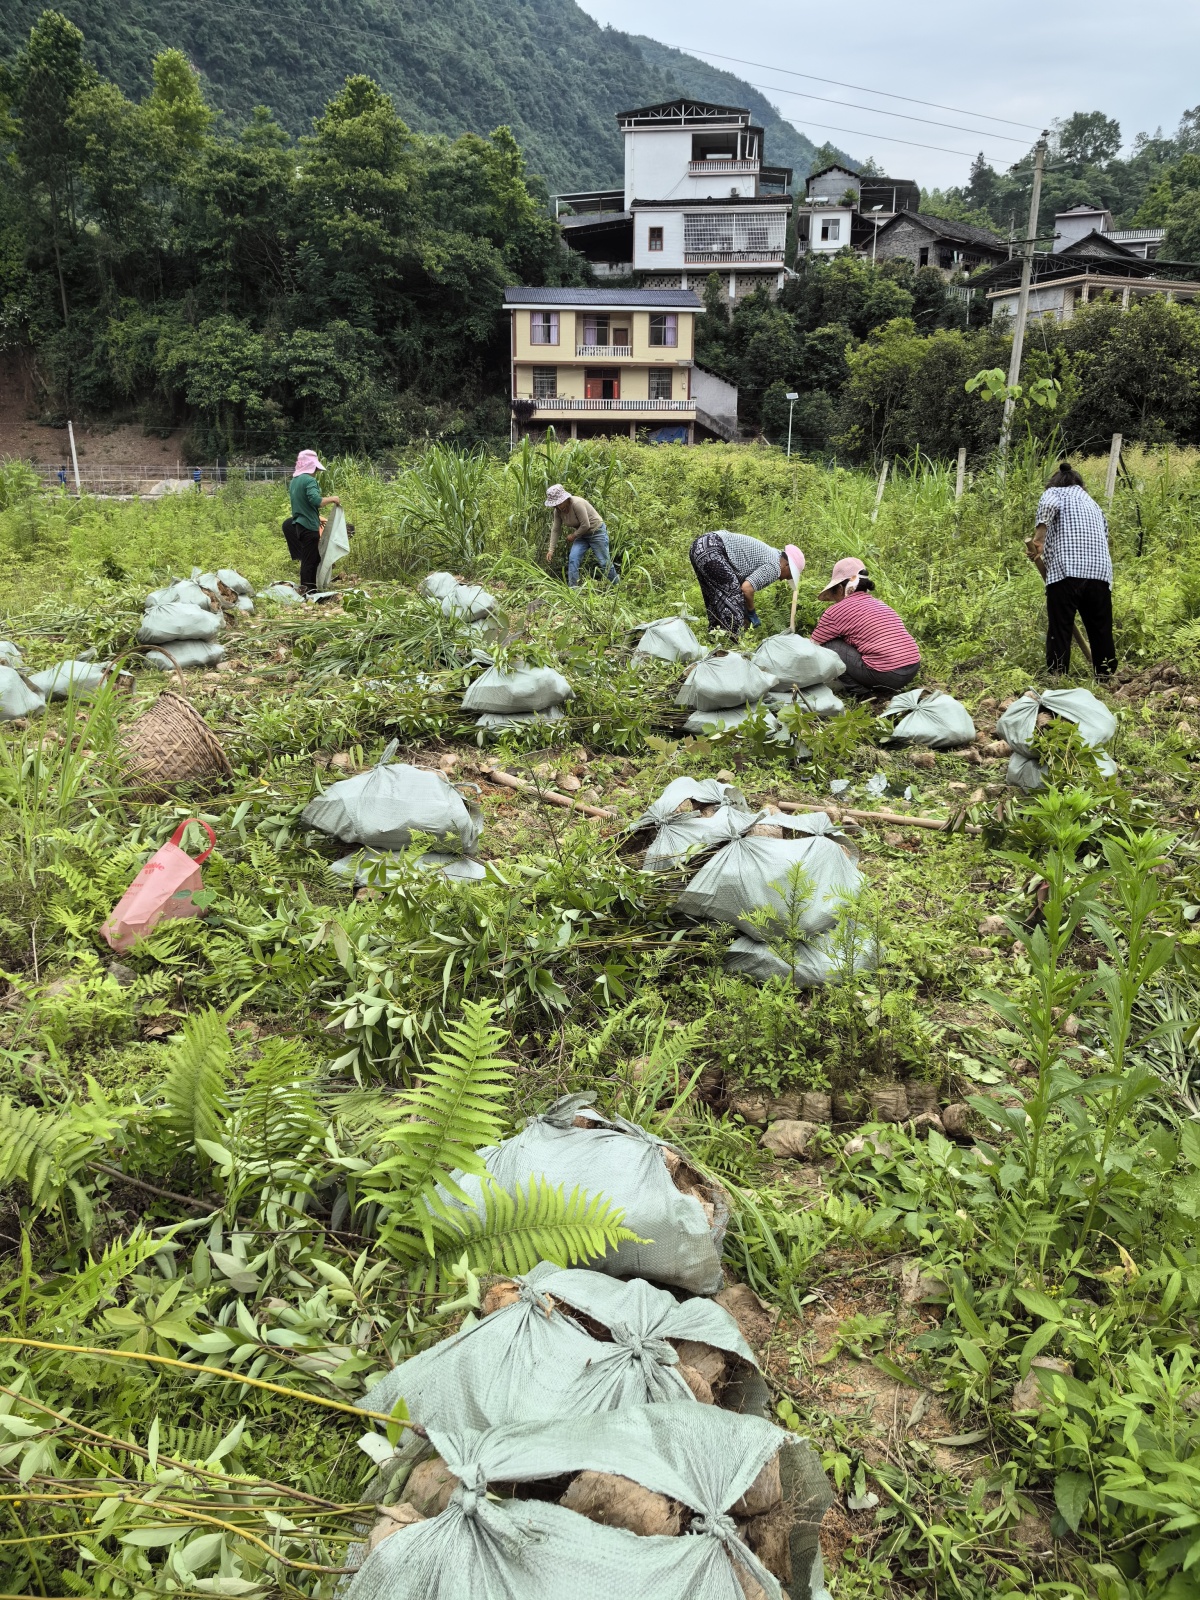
302,530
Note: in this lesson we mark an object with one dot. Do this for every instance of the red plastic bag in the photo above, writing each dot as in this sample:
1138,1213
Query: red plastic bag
162,890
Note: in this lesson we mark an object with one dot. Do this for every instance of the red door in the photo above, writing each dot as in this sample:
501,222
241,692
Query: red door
601,383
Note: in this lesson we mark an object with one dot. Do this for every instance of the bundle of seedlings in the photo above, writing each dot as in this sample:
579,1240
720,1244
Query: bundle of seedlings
688,817
600,1505
679,1216
567,1342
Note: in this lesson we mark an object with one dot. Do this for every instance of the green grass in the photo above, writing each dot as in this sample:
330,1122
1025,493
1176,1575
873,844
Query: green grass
176,1134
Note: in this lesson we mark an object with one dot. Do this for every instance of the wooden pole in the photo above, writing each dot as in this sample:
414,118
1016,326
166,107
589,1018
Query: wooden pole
960,481
890,818
508,781
879,491
1114,462
74,456
1018,342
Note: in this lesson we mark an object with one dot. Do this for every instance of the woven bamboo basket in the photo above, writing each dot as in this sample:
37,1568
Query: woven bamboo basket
170,745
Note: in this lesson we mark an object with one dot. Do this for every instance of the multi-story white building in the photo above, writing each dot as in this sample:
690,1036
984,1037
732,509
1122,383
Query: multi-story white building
698,198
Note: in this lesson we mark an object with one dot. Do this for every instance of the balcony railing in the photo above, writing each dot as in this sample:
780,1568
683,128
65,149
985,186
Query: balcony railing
733,258
698,169
603,351
559,403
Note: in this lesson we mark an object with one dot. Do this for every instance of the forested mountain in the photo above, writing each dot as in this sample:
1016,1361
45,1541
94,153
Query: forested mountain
543,67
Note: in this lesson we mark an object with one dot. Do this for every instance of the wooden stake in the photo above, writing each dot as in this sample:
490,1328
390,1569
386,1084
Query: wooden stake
508,781
892,818
74,456
1114,461
962,472
879,491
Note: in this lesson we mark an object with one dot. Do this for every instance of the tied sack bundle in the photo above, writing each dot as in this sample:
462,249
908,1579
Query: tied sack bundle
68,678
929,717
752,874
477,1521
690,816
668,639
1020,723
680,1216
816,961
384,807
723,680
818,698
18,698
522,689
468,601
796,662
568,1342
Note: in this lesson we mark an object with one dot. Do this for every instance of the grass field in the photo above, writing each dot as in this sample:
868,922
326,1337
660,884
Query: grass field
202,1146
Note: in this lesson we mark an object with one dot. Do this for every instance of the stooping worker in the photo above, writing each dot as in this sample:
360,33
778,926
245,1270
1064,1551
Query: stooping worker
302,530
731,568
585,531
877,650
1070,549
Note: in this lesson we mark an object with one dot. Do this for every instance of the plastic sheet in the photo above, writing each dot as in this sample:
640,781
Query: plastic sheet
626,1164
797,662
751,874
532,1360
481,1548
929,717
383,808
668,639
166,624
521,689
722,681
17,698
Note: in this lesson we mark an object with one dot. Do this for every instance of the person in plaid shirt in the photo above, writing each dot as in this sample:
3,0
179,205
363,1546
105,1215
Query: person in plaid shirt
1070,548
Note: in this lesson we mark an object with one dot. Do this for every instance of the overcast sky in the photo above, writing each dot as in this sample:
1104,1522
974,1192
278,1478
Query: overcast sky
1031,61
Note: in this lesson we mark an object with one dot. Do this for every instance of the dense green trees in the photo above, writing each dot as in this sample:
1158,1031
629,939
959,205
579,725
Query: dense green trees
345,283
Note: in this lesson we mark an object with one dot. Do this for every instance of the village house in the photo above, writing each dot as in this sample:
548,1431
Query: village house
952,247
699,197
1064,280
1081,223
607,361
843,207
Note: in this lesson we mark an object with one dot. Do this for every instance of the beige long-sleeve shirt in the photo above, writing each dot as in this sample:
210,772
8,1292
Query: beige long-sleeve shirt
578,516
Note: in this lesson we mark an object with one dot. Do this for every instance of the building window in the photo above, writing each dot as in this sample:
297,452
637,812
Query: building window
655,241
660,385
595,330
545,383
923,256
831,228
945,260
543,327
802,225
664,329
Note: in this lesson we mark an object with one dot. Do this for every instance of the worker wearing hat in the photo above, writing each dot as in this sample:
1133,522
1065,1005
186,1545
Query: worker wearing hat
302,530
731,568
585,530
877,650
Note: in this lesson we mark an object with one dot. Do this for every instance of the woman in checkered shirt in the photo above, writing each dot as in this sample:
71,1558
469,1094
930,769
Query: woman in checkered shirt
1070,549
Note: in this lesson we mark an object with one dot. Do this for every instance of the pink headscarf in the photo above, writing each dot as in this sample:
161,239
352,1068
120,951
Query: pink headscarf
307,461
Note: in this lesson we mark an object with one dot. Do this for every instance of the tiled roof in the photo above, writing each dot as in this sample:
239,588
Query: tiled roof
944,228
671,299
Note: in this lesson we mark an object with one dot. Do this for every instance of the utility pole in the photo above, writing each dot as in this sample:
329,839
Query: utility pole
74,456
1018,342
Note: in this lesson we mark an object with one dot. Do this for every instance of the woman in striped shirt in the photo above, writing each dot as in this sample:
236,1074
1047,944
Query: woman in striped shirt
877,650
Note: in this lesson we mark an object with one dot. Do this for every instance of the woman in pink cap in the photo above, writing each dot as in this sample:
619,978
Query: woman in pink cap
877,649
302,530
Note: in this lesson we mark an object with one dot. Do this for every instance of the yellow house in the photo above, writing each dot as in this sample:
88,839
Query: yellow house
605,361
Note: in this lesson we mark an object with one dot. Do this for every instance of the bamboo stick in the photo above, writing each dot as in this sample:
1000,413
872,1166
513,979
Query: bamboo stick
893,818
495,775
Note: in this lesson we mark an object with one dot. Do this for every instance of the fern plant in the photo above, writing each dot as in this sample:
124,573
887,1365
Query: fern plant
428,1220
48,1153
194,1094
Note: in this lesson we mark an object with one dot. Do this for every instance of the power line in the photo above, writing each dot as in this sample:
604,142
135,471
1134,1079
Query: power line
880,111
889,138
861,88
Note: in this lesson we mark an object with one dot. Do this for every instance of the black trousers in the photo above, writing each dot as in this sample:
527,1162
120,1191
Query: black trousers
310,557
1091,598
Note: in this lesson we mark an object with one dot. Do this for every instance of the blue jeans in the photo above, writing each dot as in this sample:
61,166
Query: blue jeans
597,543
